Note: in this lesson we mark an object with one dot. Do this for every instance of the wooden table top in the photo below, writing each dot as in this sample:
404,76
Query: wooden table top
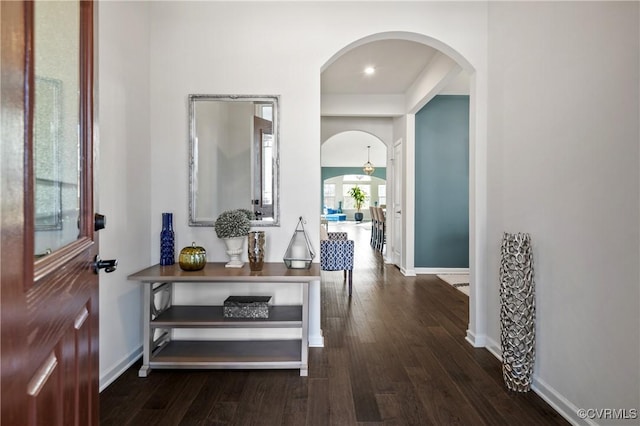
217,272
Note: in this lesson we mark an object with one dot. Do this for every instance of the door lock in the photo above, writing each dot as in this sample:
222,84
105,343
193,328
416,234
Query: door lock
107,265
99,221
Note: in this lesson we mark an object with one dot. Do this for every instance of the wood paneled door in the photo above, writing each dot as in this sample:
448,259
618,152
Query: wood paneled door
49,290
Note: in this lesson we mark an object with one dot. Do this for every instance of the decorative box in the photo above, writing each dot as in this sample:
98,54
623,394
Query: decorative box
246,307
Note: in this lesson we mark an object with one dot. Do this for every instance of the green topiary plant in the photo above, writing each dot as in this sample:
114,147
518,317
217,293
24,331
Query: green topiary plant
358,196
233,223
250,215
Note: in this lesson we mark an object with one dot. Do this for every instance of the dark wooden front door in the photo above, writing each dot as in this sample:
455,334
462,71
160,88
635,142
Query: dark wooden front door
49,296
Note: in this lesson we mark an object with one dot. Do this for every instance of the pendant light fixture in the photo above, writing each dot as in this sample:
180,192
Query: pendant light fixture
368,167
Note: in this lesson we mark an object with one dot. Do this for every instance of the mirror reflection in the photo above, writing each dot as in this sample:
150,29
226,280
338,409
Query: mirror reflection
56,149
233,157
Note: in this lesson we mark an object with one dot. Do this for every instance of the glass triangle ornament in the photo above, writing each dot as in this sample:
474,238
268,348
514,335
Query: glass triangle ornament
299,254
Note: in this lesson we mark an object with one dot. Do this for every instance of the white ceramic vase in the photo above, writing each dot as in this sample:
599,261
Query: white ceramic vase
235,248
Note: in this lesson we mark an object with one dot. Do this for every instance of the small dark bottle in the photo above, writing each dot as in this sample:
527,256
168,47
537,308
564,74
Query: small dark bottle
167,240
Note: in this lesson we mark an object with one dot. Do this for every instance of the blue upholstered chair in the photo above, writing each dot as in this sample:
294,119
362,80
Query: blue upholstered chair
336,254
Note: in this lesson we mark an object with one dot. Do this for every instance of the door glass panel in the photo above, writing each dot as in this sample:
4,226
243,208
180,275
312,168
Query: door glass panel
56,152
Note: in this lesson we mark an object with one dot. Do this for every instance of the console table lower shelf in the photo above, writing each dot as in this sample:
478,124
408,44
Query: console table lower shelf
230,354
160,350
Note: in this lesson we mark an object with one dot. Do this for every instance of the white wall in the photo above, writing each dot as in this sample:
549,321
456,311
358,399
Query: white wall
185,48
380,127
191,52
562,134
441,71
124,178
563,165
223,48
362,105
211,47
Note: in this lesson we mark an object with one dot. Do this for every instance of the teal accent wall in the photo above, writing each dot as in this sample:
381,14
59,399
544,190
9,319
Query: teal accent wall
442,183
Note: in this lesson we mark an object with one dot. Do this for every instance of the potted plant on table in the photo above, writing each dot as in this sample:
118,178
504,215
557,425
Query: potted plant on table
359,196
232,226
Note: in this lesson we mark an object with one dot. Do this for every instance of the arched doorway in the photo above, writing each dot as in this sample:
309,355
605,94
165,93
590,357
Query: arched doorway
446,64
342,158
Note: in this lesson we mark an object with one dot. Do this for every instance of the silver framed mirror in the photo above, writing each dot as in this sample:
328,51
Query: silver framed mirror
234,157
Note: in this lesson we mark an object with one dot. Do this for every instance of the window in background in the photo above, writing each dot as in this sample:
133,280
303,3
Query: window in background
330,195
382,195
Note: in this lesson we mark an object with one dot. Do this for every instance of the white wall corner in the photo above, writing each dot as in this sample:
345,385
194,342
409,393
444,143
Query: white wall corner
484,341
115,372
316,341
408,272
408,197
494,347
435,77
476,340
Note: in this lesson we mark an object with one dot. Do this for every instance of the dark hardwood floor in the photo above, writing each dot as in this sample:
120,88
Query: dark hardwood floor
394,354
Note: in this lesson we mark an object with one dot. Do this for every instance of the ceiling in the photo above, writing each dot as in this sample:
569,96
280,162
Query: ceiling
397,64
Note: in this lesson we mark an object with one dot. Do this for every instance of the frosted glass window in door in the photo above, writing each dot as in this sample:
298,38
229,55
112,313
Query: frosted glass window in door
56,147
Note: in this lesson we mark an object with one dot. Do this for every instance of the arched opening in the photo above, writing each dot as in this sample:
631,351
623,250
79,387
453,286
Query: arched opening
443,72
343,157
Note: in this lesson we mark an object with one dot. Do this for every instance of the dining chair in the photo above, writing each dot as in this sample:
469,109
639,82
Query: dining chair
372,211
336,254
380,229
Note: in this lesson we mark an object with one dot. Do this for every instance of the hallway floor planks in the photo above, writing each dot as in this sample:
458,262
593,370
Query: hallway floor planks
394,354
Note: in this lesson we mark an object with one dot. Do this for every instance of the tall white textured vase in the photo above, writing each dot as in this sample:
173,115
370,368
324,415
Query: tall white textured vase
517,312
235,248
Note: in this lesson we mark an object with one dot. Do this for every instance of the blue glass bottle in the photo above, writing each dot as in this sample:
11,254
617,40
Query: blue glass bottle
167,240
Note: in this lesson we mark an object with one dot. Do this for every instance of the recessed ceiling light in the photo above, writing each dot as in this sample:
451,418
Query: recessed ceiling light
369,70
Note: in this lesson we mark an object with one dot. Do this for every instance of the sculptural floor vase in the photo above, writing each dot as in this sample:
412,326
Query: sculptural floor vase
517,311
235,248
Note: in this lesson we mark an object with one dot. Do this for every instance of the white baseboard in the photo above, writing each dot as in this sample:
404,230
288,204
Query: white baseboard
484,341
476,340
436,271
408,272
316,341
562,405
559,403
118,369
494,347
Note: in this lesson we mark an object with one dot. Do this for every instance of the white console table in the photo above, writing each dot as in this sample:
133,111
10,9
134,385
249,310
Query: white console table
161,317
